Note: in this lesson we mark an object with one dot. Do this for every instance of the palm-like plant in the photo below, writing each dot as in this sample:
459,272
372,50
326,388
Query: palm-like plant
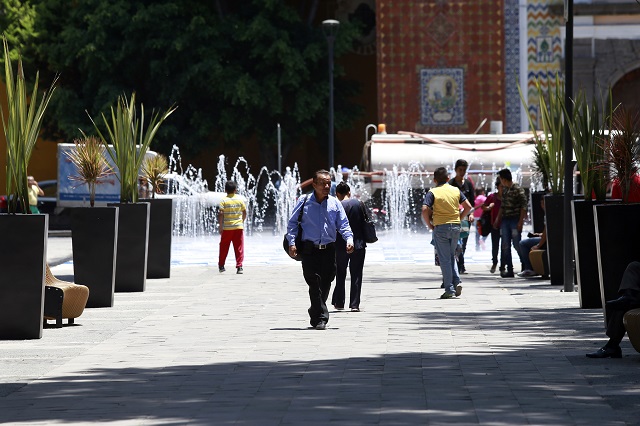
128,141
21,129
622,149
551,140
153,169
587,131
91,164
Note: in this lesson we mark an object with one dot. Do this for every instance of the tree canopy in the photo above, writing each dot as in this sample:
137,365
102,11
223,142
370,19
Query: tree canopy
234,69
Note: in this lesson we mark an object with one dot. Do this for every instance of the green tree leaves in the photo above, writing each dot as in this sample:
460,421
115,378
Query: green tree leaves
235,71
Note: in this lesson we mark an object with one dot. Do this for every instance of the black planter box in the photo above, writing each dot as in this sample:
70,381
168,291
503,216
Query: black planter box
23,255
586,252
133,240
94,232
160,230
537,213
554,214
617,232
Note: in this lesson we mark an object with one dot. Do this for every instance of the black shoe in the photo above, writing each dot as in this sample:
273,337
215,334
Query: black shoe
606,352
239,270
221,268
507,274
622,303
321,325
493,268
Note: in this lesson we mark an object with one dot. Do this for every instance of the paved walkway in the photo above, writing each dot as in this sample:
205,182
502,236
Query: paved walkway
206,348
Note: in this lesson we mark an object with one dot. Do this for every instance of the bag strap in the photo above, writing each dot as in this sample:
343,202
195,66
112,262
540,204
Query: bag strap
364,212
300,215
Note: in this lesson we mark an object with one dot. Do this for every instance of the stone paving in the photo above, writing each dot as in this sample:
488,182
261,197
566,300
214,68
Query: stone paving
206,348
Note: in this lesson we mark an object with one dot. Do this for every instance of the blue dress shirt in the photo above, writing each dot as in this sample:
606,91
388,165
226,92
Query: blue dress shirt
320,221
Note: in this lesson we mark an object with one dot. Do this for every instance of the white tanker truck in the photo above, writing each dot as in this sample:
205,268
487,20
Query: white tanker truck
397,169
420,154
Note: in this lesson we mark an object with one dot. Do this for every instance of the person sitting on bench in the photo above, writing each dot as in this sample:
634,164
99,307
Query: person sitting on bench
629,293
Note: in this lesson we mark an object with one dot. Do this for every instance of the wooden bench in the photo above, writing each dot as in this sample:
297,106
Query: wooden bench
538,259
63,299
632,324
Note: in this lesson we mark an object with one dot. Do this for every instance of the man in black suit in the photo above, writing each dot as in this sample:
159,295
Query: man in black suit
629,293
355,259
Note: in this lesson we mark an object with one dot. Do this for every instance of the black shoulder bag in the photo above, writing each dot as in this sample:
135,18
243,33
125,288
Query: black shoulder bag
285,240
368,227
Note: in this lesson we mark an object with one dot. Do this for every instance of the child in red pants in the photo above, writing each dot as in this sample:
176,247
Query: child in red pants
231,216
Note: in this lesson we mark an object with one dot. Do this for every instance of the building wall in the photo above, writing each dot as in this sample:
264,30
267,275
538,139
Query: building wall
441,64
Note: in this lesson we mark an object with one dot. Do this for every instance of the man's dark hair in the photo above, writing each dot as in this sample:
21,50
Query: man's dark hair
441,175
498,183
230,187
461,163
320,172
505,174
342,188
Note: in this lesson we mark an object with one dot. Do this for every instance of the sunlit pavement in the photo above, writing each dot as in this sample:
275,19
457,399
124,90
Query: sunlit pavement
208,348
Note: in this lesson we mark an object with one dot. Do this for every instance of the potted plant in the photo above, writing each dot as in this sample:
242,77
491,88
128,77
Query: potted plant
549,147
617,225
94,230
588,129
127,140
154,168
24,236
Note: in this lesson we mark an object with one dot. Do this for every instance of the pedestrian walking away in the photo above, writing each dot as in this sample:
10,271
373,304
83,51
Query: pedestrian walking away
465,185
231,217
441,212
510,220
322,218
354,261
492,205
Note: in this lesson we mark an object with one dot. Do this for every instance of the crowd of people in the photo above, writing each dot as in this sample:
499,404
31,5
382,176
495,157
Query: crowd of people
332,241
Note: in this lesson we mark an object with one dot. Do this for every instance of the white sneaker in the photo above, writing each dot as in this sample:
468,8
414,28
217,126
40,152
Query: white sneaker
527,273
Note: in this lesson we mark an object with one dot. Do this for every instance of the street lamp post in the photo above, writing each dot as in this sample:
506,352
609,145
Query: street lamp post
568,151
330,29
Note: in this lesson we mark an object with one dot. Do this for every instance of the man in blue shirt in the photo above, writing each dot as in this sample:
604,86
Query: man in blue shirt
322,217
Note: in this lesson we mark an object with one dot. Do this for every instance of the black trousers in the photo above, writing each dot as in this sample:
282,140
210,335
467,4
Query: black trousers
319,270
630,285
461,255
355,262
495,248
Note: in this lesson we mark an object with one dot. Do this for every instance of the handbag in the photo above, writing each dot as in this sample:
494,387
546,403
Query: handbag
485,223
368,227
464,228
285,241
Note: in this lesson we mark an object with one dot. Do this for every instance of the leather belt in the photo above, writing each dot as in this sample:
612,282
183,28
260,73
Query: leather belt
322,246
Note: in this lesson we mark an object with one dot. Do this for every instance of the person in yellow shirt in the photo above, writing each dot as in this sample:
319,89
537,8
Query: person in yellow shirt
34,191
441,212
231,216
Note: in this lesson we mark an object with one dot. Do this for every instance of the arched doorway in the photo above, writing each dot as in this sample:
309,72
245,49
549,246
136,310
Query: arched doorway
627,90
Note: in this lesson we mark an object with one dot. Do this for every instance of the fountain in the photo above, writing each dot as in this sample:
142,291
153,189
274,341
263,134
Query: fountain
271,196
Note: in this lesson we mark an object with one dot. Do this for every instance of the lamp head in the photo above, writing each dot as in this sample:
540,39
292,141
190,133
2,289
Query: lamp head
330,27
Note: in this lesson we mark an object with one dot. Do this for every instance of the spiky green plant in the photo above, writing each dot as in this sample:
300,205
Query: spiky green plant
552,136
21,126
91,164
128,141
588,129
153,169
622,149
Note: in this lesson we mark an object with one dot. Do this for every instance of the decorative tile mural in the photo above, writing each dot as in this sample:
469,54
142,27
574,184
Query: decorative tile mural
423,44
512,65
442,96
544,49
